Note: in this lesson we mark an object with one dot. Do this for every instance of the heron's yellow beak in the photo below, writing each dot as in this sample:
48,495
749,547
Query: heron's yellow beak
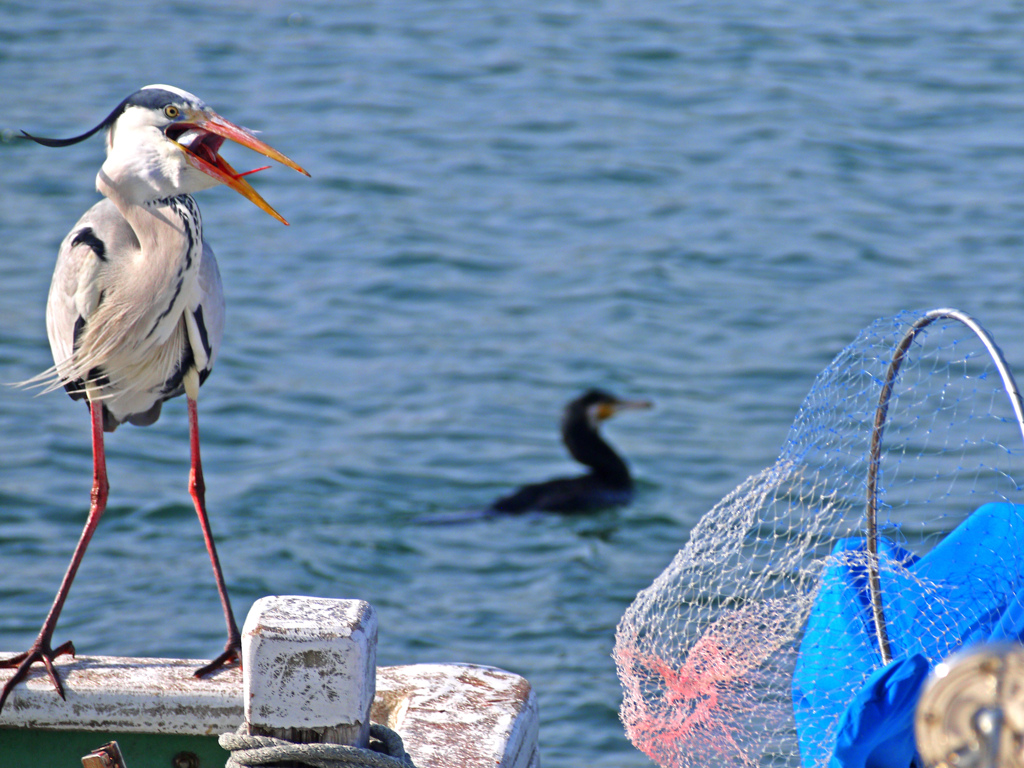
200,137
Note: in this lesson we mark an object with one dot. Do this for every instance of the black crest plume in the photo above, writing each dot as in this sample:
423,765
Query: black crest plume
75,139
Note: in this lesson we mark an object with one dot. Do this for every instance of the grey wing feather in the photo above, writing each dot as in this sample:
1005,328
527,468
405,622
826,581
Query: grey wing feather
205,341
76,289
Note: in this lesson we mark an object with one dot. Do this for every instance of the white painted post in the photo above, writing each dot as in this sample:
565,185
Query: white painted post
309,669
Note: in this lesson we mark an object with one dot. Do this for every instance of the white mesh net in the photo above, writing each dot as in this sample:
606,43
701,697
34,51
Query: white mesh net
750,646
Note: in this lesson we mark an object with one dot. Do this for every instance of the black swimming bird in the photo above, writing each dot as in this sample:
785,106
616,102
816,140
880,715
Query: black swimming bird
607,484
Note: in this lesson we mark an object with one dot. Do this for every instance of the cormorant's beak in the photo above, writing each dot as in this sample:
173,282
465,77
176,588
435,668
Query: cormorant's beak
200,137
610,409
632,405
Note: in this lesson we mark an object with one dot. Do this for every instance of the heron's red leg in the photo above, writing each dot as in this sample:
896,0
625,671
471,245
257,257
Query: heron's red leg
41,649
196,486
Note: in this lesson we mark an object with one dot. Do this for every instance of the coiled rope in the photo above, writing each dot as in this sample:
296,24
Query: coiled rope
386,751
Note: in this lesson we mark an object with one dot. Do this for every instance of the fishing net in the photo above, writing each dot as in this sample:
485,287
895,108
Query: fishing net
820,575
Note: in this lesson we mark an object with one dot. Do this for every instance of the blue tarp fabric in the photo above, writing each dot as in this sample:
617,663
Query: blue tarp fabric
877,728
850,711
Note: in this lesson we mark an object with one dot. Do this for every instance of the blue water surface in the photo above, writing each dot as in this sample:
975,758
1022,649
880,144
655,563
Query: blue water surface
699,203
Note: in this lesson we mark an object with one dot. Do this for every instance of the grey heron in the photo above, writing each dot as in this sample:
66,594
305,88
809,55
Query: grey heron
135,313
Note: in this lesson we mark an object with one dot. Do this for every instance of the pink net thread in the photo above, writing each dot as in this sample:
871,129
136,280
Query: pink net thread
714,691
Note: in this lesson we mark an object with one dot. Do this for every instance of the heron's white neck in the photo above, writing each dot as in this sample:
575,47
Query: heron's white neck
162,229
169,232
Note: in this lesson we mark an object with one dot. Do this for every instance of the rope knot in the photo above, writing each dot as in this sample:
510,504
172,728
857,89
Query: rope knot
247,751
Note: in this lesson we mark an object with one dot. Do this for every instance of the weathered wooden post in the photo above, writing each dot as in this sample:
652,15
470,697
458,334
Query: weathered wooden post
309,669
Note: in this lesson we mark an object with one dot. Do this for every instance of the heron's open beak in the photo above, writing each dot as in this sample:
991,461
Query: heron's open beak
200,137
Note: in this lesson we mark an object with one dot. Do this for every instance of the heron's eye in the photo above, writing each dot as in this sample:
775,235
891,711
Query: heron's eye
171,111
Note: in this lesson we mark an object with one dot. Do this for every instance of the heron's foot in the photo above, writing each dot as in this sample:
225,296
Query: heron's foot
232,653
40,651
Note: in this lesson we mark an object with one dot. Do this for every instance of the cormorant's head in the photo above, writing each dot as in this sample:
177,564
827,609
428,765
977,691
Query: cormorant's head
595,406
